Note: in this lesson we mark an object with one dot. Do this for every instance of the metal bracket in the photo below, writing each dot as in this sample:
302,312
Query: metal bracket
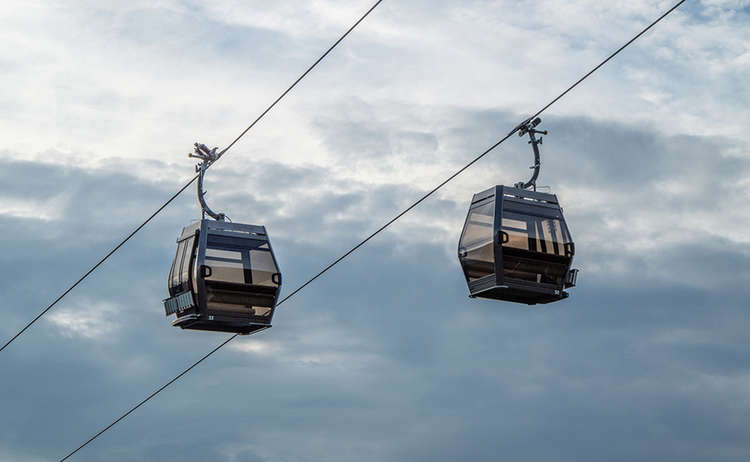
571,278
207,157
529,127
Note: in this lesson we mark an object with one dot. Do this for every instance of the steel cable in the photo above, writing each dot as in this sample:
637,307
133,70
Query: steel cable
386,225
221,153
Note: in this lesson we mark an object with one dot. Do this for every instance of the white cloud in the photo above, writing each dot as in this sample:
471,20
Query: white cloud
93,320
39,210
256,347
327,346
413,94
143,80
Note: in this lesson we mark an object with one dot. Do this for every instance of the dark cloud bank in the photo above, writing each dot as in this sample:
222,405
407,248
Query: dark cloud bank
386,358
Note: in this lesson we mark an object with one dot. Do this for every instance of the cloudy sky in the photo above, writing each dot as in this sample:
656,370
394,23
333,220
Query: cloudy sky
384,358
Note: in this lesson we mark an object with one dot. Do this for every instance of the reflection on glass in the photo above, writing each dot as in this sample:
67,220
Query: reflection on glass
226,271
533,270
262,310
177,264
242,266
236,271
263,267
478,228
516,239
475,246
534,234
219,253
185,270
511,223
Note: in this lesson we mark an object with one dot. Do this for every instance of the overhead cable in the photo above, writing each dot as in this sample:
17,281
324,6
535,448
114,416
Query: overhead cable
93,268
386,225
222,152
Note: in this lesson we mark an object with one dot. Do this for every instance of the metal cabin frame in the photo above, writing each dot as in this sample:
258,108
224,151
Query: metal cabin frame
188,299
500,287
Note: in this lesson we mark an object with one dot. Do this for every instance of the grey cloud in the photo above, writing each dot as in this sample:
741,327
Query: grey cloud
356,131
613,155
384,357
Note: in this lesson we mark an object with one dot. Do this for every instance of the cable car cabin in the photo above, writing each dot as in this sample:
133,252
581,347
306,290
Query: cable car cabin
224,278
515,246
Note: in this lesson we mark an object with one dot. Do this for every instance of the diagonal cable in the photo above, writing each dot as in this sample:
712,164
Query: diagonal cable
263,114
386,225
300,77
93,268
149,397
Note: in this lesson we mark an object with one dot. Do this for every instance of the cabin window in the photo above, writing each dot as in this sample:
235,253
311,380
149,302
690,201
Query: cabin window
177,264
186,261
476,244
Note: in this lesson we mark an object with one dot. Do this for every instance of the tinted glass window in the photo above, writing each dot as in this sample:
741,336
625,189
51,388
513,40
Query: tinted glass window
550,231
177,264
226,265
533,270
535,234
186,261
238,267
475,247
171,273
217,301
478,227
516,231
241,262
263,268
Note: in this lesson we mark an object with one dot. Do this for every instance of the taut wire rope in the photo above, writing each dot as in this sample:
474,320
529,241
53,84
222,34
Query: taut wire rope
221,153
402,213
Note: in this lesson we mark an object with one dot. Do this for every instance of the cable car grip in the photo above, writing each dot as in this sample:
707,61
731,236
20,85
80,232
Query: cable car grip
207,157
529,127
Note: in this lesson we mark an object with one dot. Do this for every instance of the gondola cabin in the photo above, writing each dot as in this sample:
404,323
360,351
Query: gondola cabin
224,277
515,246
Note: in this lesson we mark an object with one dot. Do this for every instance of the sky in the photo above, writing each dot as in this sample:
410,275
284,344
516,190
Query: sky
385,357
